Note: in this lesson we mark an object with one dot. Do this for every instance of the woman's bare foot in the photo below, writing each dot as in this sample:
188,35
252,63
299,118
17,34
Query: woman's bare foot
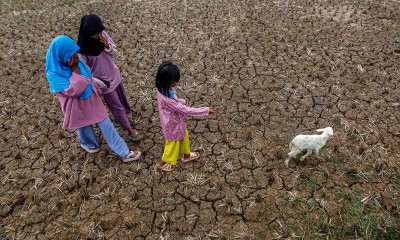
134,135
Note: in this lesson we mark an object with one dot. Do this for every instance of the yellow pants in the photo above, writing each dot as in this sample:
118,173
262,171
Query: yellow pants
173,149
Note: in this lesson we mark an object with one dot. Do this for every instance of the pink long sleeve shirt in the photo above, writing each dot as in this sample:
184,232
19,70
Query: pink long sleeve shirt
77,112
103,65
172,112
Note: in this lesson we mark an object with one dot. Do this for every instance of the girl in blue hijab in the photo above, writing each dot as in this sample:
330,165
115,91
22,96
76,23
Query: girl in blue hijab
70,79
57,70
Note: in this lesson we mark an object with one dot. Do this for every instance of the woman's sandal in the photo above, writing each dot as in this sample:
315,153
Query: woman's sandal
132,156
91,149
192,156
166,167
135,136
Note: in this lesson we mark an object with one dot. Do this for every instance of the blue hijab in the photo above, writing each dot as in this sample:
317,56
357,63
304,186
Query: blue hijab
57,70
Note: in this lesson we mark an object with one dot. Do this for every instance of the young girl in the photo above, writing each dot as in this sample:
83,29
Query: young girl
78,93
172,112
97,50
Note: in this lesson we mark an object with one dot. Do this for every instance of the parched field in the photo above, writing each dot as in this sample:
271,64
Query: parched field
271,69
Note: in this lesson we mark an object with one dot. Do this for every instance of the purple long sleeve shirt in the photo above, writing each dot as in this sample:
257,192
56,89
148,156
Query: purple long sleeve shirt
80,113
103,66
172,112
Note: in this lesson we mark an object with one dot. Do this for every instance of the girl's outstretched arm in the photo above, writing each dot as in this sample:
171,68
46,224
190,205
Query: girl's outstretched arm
182,108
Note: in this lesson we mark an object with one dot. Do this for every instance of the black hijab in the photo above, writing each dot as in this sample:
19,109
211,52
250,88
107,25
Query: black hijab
90,25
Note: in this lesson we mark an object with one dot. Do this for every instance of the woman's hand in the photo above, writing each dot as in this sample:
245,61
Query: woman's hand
99,83
73,63
104,41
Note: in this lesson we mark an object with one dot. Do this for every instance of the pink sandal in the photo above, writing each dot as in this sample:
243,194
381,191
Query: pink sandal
166,167
192,156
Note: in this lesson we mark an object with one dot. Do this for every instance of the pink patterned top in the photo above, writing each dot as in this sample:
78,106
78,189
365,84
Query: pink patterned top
172,112
80,113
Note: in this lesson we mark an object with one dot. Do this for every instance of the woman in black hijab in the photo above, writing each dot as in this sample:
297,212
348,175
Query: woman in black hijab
91,25
97,50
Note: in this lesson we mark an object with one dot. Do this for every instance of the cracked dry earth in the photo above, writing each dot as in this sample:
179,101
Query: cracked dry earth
272,70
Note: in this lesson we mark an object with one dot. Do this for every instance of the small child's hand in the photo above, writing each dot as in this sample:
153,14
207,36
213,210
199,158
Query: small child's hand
212,111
